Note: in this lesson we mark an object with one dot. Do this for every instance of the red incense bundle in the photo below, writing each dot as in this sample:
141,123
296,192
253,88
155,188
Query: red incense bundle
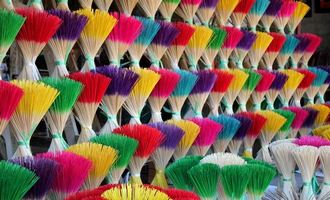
307,81
314,43
241,10
273,50
284,15
300,116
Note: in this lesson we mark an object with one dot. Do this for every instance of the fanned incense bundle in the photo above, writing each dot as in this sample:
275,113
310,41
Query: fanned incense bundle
197,45
273,124
149,7
177,172
298,15
309,140
64,39
163,39
10,24
38,28
249,86
271,12
45,169
285,165
314,43
89,100
258,122
191,131
284,15
209,131
145,148
306,158
259,47
137,49
61,108
324,158
163,89
215,43
263,86
201,91
182,90
243,48
324,87
294,80
206,10
273,50
122,37
323,113
126,6
163,154
275,88
256,12
205,179
140,93
233,37
230,125
299,50
322,131
300,116
122,83
221,85
167,8
94,34
223,159
283,133
223,11
240,77
37,99
72,172
236,142
287,50
132,192
16,181
125,147
102,157
103,4
187,9
308,124
321,76
11,95
86,3
307,81
240,12
175,50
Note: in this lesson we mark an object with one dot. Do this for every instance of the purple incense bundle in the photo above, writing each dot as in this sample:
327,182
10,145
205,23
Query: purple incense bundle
163,39
161,156
206,10
238,138
65,38
299,50
45,169
201,90
306,127
274,90
269,16
122,83
243,48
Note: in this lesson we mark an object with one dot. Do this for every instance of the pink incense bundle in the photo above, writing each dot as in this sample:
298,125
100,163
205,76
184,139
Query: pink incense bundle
37,30
314,43
221,85
314,141
284,15
241,10
175,50
307,81
300,116
233,37
263,86
209,131
273,50
121,37
187,9
95,86
163,89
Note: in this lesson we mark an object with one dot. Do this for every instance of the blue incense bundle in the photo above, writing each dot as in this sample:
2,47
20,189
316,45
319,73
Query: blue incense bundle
288,48
324,87
321,77
256,12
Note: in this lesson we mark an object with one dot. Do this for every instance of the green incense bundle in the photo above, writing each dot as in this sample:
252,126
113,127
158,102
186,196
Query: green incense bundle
59,112
177,172
125,146
249,86
285,129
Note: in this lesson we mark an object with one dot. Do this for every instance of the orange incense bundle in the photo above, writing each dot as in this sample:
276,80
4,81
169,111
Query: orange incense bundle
95,86
37,30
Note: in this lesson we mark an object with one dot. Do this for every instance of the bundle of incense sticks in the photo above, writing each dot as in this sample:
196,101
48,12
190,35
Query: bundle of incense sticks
187,9
271,12
274,90
126,6
223,11
256,12
240,12
314,43
299,50
273,50
206,10
243,48
167,8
